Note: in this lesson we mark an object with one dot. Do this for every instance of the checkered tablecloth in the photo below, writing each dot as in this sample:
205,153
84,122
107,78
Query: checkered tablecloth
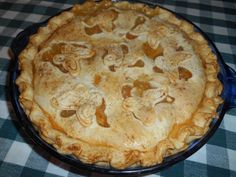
20,157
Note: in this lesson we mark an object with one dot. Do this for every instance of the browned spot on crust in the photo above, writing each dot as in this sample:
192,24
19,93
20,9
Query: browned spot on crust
126,91
130,36
67,113
138,21
124,49
139,63
141,86
112,68
184,73
48,55
74,147
56,49
93,30
101,116
97,79
157,69
152,53
177,128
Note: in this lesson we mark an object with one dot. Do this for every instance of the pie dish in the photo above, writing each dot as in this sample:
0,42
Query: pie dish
119,84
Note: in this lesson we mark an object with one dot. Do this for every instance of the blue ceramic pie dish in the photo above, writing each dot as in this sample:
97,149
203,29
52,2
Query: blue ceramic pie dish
226,75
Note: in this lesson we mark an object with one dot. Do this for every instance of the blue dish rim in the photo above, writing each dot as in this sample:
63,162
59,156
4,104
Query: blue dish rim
21,40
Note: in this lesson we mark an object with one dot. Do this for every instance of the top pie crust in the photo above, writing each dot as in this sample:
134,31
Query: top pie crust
119,84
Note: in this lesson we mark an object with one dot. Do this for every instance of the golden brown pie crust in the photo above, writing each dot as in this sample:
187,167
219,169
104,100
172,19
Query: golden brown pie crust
119,84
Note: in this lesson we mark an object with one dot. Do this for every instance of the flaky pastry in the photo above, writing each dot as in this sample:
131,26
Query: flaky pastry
119,84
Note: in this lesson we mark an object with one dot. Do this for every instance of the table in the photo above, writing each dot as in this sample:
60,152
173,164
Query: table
20,157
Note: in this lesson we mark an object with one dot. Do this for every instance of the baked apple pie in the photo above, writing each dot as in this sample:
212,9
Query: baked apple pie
119,84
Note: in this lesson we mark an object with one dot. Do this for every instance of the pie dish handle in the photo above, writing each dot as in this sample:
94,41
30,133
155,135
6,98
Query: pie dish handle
231,84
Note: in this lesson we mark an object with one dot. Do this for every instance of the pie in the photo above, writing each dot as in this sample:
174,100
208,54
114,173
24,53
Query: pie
119,84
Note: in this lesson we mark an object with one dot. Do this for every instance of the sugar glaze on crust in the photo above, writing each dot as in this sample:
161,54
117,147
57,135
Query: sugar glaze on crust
119,84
